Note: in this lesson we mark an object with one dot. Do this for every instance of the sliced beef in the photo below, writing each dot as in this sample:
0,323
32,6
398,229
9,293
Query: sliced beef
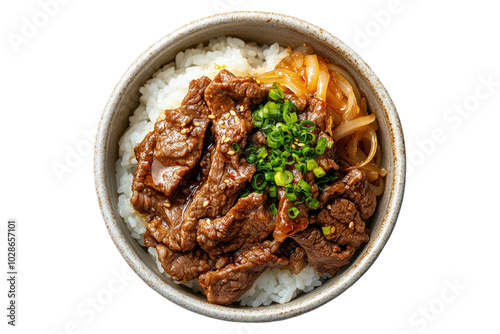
285,226
258,139
183,266
296,255
354,187
174,147
230,99
149,240
346,226
316,112
247,224
229,283
322,255
299,102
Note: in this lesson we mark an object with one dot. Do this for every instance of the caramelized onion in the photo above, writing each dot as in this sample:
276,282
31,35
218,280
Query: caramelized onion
287,78
311,72
352,146
348,128
378,189
323,79
372,137
348,77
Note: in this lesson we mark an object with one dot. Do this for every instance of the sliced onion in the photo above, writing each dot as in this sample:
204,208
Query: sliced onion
372,137
352,108
336,118
348,128
333,101
363,107
348,77
311,72
378,189
352,146
287,78
323,79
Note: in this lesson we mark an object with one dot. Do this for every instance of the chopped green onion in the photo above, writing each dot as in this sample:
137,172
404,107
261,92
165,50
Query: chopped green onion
303,125
283,178
251,158
236,147
244,193
273,191
319,172
293,212
269,176
301,167
326,230
311,164
274,210
276,93
290,142
320,147
304,185
261,153
312,203
255,182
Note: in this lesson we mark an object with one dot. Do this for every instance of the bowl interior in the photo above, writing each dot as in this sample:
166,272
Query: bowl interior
264,28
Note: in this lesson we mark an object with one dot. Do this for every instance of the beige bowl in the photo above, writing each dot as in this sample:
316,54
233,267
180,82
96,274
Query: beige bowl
262,28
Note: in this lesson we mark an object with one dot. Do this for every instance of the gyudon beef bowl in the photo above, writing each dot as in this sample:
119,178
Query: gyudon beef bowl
250,166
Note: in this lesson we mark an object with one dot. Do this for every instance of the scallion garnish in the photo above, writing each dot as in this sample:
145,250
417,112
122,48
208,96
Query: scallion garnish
273,191
311,164
319,172
320,147
326,230
274,210
236,147
293,212
290,142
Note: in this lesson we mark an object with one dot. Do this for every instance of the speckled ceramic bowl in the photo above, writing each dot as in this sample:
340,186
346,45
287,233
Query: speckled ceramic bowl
262,28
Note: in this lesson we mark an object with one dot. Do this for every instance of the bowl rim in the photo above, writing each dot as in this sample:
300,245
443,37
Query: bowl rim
274,311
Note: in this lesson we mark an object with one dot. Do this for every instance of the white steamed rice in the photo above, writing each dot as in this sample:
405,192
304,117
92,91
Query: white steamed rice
166,90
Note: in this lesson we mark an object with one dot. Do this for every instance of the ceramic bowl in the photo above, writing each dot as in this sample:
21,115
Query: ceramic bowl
262,28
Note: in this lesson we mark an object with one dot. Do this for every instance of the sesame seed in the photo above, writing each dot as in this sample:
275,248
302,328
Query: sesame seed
293,146
236,119
207,220
183,124
301,144
196,123
233,112
329,207
226,140
226,180
206,203
201,164
332,229
222,126
184,131
226,116
351,224
211,116
223,138
230,152
167,205
220,122
241,108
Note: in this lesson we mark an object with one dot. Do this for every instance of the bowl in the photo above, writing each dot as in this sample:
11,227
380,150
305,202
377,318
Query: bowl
262,28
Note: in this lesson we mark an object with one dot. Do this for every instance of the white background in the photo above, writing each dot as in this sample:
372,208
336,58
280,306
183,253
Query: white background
433,57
